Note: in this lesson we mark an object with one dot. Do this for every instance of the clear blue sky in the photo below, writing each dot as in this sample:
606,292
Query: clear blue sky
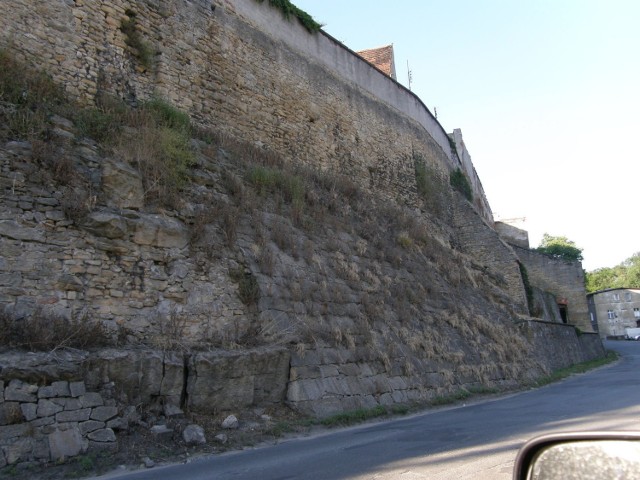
546,95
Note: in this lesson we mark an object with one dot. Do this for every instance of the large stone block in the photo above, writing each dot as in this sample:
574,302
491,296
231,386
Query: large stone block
74,415
47,408
160,231
106,224
66,443
122,186
18,451
18,391
142,376
10,413
222,380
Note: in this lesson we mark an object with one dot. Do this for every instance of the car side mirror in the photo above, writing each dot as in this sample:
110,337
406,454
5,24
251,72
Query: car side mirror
584,456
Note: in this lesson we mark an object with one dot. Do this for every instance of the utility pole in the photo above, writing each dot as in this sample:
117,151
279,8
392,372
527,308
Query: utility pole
409,75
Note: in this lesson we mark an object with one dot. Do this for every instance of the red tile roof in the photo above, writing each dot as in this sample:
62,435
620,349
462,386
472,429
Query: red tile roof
381,58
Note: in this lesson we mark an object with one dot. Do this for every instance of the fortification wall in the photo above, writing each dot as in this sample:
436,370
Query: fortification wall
563,279
243,69
480,201
477,239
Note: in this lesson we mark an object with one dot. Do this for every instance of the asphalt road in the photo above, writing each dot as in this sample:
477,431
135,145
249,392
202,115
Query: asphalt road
477,441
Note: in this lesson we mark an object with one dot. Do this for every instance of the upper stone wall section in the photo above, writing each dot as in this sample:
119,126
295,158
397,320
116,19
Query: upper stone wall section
240,67
564,279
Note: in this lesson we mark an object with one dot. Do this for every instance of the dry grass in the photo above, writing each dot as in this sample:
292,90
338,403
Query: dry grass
46,331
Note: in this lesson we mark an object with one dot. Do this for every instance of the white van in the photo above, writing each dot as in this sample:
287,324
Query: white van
632,333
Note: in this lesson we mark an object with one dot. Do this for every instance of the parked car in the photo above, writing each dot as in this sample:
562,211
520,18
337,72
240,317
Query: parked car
632,333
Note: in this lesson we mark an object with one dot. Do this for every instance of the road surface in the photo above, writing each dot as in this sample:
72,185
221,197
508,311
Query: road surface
477,441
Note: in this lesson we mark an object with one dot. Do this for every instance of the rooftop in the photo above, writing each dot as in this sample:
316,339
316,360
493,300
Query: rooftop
381,58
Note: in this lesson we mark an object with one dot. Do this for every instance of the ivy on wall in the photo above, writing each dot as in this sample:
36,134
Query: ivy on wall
288,9
460,182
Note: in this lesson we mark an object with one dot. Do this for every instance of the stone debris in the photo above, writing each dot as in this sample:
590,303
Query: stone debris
230,423
161,432
194,435
52,422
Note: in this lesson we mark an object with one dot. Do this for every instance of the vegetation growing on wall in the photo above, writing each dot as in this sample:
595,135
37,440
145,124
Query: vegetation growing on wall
429,184
42,331
289,10
527,286
460,182
27,99
142,49
362,273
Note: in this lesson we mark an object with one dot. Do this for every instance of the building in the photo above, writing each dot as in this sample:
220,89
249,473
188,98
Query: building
614,309
381,58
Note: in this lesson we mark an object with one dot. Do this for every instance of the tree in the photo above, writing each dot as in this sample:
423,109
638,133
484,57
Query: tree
560,247
624,275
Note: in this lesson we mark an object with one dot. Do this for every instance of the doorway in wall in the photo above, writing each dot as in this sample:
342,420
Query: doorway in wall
564,313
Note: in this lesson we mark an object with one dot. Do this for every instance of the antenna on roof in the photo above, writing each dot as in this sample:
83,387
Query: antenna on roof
409,75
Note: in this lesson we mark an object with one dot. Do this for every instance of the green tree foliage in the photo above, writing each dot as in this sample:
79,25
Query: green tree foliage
560,247
624,275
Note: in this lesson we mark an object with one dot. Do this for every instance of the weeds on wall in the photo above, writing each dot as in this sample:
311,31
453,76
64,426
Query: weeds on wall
248,289
27,99
460,182
46,331
142,49
289,10
527,286
375,274
429,185
159,148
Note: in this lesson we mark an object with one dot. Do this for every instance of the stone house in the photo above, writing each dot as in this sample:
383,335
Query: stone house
614,309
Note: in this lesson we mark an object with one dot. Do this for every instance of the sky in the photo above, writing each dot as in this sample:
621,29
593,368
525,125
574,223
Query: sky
545,93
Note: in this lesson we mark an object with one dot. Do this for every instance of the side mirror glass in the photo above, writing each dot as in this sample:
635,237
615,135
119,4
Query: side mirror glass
580,456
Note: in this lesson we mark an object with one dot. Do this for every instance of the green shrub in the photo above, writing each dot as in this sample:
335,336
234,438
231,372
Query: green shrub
460,182
288,9
266,179
98,124
248,289
527,286
167,115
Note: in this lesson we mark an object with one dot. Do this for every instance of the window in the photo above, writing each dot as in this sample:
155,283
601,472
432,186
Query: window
636,312
610,314
616,297
627,297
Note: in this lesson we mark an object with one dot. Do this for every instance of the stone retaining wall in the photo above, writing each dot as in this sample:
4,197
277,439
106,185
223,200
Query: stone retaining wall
560,346
53,422
562,278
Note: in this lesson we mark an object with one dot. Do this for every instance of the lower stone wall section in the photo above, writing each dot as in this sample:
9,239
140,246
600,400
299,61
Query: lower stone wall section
560,346
55,408
230,381
53,422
